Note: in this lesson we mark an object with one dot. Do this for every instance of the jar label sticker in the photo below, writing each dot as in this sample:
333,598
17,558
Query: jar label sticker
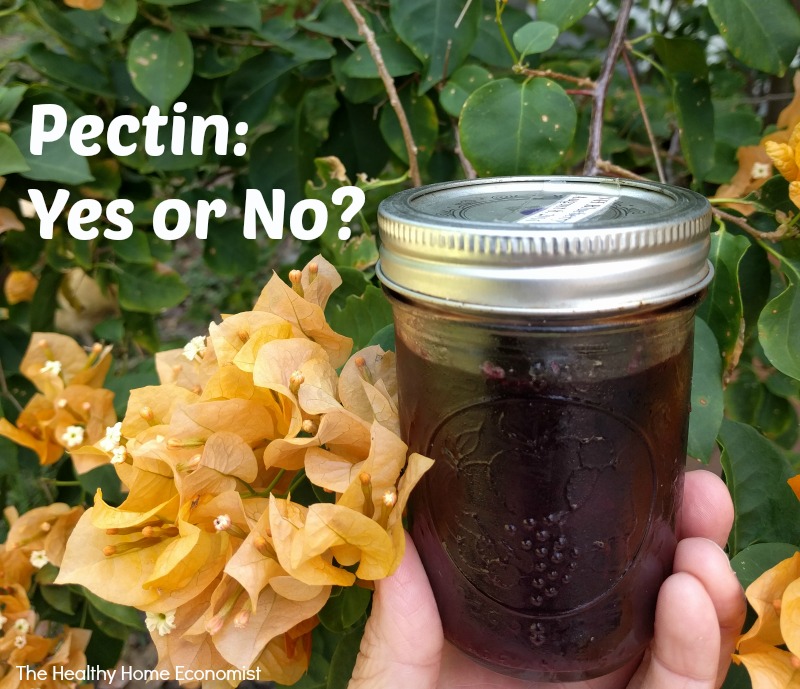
573,208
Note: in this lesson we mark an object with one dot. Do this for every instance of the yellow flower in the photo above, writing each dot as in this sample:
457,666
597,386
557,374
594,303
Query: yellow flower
775,597
20,286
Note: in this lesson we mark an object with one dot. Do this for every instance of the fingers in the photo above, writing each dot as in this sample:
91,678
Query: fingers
707,509
686,647
402,643
709,565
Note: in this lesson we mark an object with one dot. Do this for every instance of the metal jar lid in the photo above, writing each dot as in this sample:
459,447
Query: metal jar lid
545,246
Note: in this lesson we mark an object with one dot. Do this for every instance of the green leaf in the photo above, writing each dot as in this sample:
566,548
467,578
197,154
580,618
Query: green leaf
564,13
141,376
59,597
218,13
293,147
750,400
120,11
440,33
146,289
360,252
772,196
124,615
695,111
707,399
779,323
399,60
63,68
535,37
58,162
361,316
104,477
756,471
682,55
11,159
355,139
227,252
103,651
756,559
464,81
763,34
160,64
385,337
489,47
11,7
303,48
421,114
335,21
723,309
249,91
135,249
10,98
343,611
354,282
503,122
344,659
43,306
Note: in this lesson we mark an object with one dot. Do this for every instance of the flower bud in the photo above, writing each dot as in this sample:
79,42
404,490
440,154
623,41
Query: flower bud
295,381
366,488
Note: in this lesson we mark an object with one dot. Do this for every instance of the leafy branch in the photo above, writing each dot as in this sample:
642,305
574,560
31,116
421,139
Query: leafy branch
388,83
616,43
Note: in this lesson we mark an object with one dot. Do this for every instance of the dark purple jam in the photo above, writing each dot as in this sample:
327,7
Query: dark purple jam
546,525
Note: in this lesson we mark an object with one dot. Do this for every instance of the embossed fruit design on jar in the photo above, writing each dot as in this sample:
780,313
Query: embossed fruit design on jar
544,335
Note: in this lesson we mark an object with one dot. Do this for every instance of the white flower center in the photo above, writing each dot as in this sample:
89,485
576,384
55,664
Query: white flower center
52,367
195,346
112,437
73,436
39,558
222,522
161,622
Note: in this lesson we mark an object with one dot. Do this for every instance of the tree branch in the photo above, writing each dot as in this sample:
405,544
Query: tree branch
617,171
635,83
469,171
583,82
601,88
780,233
388,83
5,392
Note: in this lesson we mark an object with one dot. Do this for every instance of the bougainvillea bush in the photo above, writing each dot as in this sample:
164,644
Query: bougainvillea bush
221,459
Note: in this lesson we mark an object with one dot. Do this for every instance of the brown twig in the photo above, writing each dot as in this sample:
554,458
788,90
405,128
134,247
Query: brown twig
601,88
388,83
780,233
5,392
584,82
469,171
642,148
609,168
653,144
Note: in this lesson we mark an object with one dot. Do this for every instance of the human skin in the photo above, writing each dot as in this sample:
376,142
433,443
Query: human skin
700,612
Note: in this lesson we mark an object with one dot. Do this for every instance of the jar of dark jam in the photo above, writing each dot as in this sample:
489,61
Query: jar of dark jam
544,348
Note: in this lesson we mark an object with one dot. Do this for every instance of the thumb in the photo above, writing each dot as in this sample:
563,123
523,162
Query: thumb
402,643
686,647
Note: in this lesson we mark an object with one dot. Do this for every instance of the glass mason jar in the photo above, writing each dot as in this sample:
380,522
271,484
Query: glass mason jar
544,332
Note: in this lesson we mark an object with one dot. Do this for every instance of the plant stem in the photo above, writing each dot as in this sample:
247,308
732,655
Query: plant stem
5,392
585,82
388,83
609,167
601,88
274,482
499,6
653,144
469,171
781,232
